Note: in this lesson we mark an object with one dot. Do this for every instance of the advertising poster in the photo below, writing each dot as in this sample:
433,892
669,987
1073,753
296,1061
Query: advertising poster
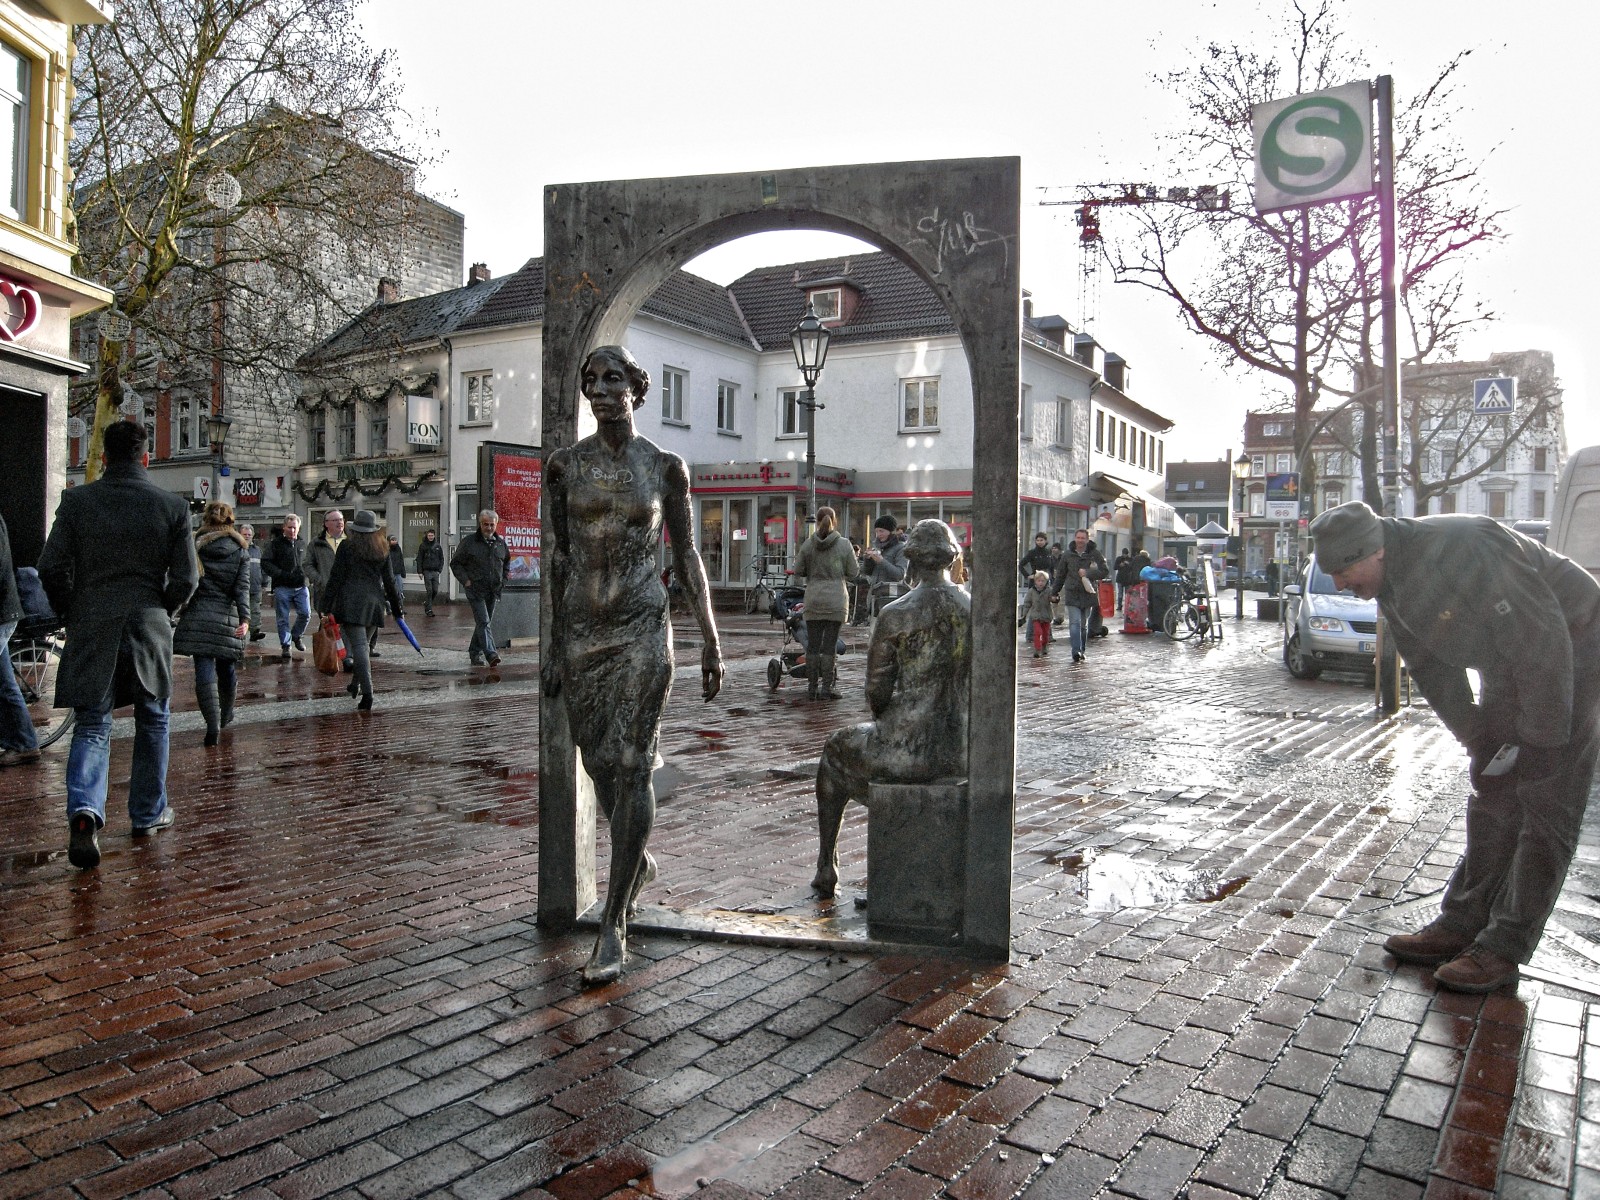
516,479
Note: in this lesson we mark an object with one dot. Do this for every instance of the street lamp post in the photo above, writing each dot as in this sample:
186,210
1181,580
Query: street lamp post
1240,474
810,339
217,433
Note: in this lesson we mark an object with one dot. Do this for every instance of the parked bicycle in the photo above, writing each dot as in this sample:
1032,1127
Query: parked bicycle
1191,615
35,651
763,579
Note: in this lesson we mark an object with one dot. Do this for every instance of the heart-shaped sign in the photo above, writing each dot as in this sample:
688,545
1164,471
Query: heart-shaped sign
21,312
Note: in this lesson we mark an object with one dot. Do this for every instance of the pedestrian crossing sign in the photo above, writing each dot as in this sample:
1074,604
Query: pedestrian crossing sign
1494,397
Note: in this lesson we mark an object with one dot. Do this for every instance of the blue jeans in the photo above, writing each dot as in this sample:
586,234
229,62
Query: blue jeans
1078,621
283,601
482,643
224,670
89,761
16,725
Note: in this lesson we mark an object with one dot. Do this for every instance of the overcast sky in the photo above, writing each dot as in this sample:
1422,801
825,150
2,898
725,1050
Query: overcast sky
523,95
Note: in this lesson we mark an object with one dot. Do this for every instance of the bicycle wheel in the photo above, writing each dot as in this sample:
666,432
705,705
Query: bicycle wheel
34,661
1180,623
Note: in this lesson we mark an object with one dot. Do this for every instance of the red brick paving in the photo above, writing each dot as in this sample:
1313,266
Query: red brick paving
327,979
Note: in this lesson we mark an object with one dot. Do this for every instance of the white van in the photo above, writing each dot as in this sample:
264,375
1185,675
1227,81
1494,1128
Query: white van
1575,529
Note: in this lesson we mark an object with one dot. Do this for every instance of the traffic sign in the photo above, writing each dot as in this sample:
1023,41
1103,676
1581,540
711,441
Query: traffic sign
202,487
1313,147
1494,397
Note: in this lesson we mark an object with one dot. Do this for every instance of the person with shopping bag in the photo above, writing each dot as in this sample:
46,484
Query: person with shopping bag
359,584
1076,581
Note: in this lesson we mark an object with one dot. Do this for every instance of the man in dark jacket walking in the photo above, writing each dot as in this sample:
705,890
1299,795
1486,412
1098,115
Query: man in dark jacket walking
1077,575
118,564
18,742
481,564
430,565
1463,593
283,563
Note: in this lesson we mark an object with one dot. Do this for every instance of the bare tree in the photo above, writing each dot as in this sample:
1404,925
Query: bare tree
1294,294
239,165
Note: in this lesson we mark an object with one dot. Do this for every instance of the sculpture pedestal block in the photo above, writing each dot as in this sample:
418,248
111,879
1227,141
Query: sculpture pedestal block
916,860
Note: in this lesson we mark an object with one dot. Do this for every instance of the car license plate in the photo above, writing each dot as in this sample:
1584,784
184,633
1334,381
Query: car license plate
1366,647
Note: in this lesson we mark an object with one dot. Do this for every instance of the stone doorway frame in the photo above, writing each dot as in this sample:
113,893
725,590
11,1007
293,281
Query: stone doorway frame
956,223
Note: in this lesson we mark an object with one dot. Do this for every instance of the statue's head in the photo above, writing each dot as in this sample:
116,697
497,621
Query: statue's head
613,356
932,545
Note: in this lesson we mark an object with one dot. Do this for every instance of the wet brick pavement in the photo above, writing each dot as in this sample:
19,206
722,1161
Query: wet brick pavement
327,980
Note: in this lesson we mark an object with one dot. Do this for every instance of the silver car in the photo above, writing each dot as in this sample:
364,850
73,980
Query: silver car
1325,628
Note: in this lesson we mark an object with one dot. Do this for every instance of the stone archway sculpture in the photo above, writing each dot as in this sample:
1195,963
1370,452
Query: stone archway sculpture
955,222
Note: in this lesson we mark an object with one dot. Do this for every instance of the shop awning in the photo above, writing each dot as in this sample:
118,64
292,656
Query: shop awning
1158,514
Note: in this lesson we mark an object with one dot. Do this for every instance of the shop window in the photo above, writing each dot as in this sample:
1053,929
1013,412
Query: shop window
711,539
15,72
919,404
674,386
794,418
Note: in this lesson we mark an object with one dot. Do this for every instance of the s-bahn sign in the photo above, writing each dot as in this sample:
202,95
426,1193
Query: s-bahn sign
1313,147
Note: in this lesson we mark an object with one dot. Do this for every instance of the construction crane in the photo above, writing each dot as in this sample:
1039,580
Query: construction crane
1091,247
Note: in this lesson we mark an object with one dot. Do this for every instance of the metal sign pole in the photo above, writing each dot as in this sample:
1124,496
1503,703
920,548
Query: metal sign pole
1388,682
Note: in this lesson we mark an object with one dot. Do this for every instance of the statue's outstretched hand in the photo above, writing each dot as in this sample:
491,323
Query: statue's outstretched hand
710,672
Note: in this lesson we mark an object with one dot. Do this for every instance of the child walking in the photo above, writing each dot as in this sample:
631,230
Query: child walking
1036,608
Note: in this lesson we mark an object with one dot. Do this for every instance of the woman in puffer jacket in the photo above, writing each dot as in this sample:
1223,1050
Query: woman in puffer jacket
827,561
217,618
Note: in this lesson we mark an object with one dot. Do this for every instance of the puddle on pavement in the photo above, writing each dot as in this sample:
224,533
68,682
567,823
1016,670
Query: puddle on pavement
696,1165
13,863
1111,882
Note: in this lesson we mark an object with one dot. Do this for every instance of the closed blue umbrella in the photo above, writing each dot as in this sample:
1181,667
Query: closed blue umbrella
410,637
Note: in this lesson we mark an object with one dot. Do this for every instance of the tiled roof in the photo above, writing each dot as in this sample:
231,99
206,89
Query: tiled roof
519,301
895,302
1217,476
406,323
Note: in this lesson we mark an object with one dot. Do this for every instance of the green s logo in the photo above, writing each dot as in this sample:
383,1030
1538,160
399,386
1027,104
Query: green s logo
1311,145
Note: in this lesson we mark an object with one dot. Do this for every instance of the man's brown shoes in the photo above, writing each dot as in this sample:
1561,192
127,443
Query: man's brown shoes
1431,945
1476,970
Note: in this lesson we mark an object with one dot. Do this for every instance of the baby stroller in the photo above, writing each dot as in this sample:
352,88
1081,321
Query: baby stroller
788,608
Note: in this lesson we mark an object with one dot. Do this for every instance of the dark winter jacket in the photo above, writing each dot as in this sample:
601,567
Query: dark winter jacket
482,563
282,562
888,573
1465,592
826,565
397,563
1040,558
210,620
1127,570
430,556
318,566
1069,586
360,582
118,563
10,600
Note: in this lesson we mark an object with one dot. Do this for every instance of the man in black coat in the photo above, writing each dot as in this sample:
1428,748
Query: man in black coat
430,565
481,564
118,565
1462,593
283,563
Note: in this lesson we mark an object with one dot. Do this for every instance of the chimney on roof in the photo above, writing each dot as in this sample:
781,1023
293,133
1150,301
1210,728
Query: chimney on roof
388,291
478,274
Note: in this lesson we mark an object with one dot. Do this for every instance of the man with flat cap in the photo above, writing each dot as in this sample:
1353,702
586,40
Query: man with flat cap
1463,592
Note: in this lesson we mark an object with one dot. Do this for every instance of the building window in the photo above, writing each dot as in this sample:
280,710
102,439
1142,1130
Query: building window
1122,440
1258,465
795,417
1025,413
317,435
1271,429
14,87
1496,503
345,432
727,406
479,390
1063,431
1540,458
1258,504
1285,464
1100,431
826,303
1447,502
1495,456
1161,456
1332,499
674,385
1538,506
378,428
183,427
919,404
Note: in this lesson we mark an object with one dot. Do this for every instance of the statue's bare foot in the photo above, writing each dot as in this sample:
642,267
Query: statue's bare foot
826,882
605,963
645,876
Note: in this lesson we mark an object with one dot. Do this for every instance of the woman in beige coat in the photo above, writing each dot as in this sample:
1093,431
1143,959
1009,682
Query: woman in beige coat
827,562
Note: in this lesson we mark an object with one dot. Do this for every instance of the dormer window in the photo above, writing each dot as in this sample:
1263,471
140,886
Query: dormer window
1271,429
828,303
